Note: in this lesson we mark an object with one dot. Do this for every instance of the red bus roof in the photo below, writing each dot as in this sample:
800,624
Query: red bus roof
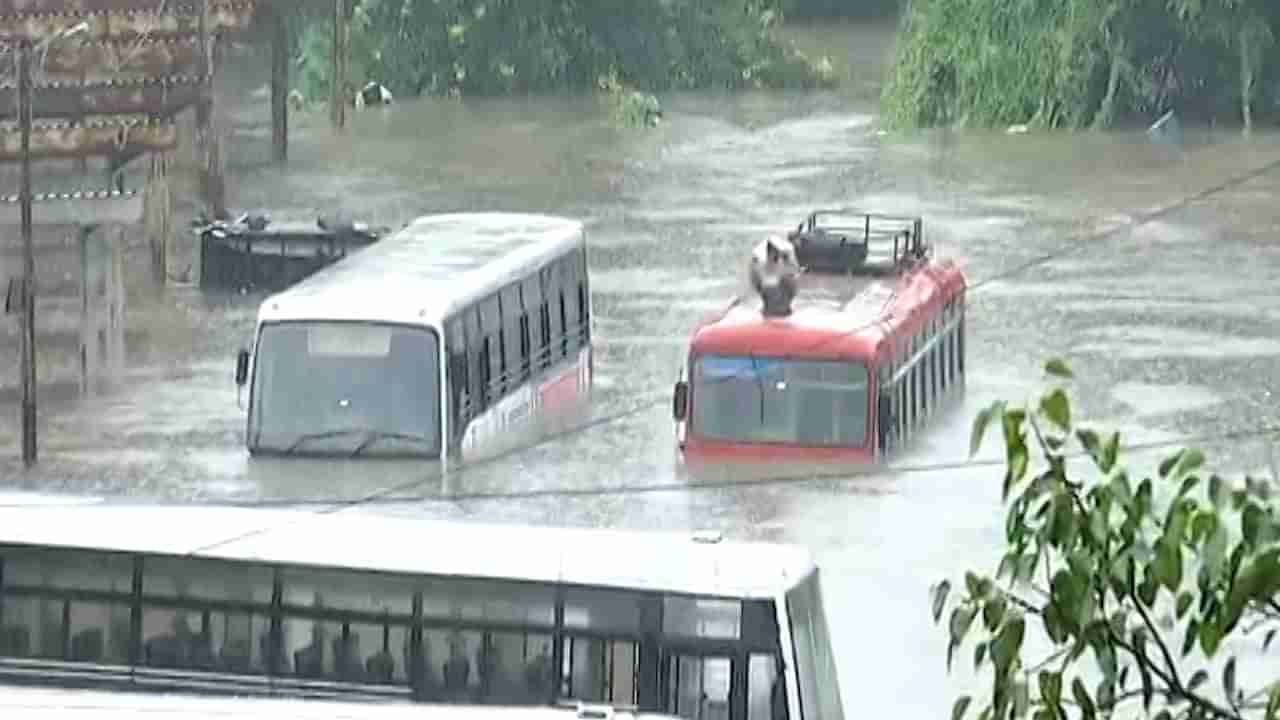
833,315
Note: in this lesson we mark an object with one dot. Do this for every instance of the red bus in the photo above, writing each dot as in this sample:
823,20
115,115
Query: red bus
845,367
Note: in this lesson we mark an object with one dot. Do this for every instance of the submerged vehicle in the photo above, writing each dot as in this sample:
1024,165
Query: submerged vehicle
458,336
243,601
851,336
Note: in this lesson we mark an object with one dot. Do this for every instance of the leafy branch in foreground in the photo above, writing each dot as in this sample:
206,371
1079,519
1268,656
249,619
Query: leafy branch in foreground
1132,578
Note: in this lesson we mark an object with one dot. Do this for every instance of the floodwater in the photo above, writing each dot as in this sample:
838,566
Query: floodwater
1171,327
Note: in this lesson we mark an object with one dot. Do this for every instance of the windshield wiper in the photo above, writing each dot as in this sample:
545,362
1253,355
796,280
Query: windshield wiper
370,437
307,437
376,435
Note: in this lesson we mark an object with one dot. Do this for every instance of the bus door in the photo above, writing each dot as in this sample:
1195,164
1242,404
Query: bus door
600,668
704,682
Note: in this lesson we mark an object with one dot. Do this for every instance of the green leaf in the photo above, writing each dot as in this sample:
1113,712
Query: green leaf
980,423
1217,492
1148,690
1078,691
1027,567
1190,460
1188,484
1110,452
1091,443
1197,679
973,585
1167,465
1229,679
1190,636
1147,590
1184,603
1203,525
1050,687
961,620
1021,699
1057,368
1168,565
979,654
993,611
1106,694
1016,458
1054,623
962,704
1252,521
1008,642
939,598
1266,641
1057,408
1273,704
1210,636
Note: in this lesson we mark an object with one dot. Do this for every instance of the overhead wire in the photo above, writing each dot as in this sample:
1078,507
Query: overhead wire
804,478
388,494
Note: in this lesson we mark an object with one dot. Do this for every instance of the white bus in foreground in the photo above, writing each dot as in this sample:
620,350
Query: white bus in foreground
457,336
35,703
266,602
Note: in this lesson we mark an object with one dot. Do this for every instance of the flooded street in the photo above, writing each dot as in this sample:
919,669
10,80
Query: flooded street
1173,329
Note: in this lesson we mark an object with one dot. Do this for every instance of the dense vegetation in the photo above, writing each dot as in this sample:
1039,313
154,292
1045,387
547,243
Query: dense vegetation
491,47
1078,63
1141,587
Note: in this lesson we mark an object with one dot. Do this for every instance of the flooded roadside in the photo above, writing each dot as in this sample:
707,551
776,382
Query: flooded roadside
1170,328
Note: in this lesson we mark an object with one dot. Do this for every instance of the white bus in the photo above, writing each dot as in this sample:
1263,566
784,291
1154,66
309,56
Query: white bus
36,703
361,606
493,307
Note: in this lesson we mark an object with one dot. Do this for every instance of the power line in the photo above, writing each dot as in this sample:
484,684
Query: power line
1143,219
1083,242
385,495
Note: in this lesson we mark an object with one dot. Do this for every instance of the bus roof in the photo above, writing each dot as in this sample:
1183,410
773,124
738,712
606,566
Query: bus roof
832,316
638,560
39,702
419,273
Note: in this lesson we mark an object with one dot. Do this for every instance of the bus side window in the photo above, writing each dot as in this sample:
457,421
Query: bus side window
531,294
491,319
459,395
584,296
935,357
551,311
515,353
567,291
478,365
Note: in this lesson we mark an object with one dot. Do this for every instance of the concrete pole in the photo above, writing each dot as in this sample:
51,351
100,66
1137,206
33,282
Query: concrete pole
29,440
279,86
338,73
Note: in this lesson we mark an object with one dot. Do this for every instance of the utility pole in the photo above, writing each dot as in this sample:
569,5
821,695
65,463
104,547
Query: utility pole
28,263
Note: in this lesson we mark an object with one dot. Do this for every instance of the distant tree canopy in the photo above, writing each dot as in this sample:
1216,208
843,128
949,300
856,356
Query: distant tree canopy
1078,63
491,47
852,9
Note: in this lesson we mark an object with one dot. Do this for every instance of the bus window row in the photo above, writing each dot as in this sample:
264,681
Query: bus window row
507,338
439,664
922,370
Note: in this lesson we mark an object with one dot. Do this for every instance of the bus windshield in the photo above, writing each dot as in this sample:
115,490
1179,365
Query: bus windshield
759,399
329,387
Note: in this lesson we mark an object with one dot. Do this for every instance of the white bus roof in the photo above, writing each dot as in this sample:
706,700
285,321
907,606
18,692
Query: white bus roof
419,273
36,702
667,562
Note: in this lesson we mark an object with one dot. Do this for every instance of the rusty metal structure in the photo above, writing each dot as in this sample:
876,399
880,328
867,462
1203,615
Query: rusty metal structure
84,79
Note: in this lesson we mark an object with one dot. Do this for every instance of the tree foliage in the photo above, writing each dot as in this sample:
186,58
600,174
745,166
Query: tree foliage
1139,586
494,47
1077,63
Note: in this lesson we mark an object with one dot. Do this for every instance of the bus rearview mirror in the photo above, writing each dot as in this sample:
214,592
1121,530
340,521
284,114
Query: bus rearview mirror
680,400
242,368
